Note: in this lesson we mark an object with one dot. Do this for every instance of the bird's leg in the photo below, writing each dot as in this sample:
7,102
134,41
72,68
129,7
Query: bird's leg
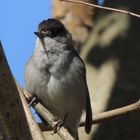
58,123
33,101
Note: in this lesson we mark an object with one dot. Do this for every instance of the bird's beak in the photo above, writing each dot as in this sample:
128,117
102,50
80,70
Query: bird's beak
38,34
42,34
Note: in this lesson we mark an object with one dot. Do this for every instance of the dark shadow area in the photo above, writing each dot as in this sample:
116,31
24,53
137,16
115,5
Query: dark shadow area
127,87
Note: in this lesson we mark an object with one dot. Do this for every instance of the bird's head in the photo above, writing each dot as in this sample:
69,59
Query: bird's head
53,29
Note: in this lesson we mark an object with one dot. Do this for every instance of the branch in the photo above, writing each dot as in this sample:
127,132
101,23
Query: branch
98,118
47,116
103,7
114,114
108,115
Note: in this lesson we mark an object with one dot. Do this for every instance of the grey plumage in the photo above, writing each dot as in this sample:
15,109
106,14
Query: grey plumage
56,75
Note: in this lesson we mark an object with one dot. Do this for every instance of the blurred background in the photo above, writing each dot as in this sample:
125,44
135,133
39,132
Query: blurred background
108,42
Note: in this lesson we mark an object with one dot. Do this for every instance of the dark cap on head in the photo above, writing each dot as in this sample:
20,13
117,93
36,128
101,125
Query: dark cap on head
52,25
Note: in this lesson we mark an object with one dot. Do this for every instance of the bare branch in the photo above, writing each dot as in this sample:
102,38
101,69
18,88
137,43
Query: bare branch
103,7
116,113
47,116
108,115
35,130
98,118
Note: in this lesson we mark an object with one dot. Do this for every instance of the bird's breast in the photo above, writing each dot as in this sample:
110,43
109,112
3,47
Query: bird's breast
63,95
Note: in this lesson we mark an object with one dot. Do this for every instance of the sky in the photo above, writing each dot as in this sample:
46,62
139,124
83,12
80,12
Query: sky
19,21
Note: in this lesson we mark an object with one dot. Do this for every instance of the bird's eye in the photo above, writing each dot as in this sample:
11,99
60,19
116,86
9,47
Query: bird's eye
47,33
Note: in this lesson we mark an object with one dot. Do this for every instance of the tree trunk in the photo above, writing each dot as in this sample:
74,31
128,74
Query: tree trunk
13,122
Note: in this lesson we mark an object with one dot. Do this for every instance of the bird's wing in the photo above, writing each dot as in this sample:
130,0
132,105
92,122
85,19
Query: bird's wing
88,113
82,71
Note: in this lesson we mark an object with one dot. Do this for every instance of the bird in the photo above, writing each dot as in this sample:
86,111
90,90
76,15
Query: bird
56,75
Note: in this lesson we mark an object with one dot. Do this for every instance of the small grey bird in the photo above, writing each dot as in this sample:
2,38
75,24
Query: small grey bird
56,75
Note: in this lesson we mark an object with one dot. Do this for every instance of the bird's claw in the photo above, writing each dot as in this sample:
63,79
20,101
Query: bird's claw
58,123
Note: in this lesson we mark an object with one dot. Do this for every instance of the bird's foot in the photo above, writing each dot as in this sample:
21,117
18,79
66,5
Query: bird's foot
58,123
33,102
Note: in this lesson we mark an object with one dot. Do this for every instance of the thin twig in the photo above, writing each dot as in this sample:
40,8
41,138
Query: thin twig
103,7
108,115
114,114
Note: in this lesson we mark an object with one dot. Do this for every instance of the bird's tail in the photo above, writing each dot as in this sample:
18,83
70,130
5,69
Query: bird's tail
88,124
